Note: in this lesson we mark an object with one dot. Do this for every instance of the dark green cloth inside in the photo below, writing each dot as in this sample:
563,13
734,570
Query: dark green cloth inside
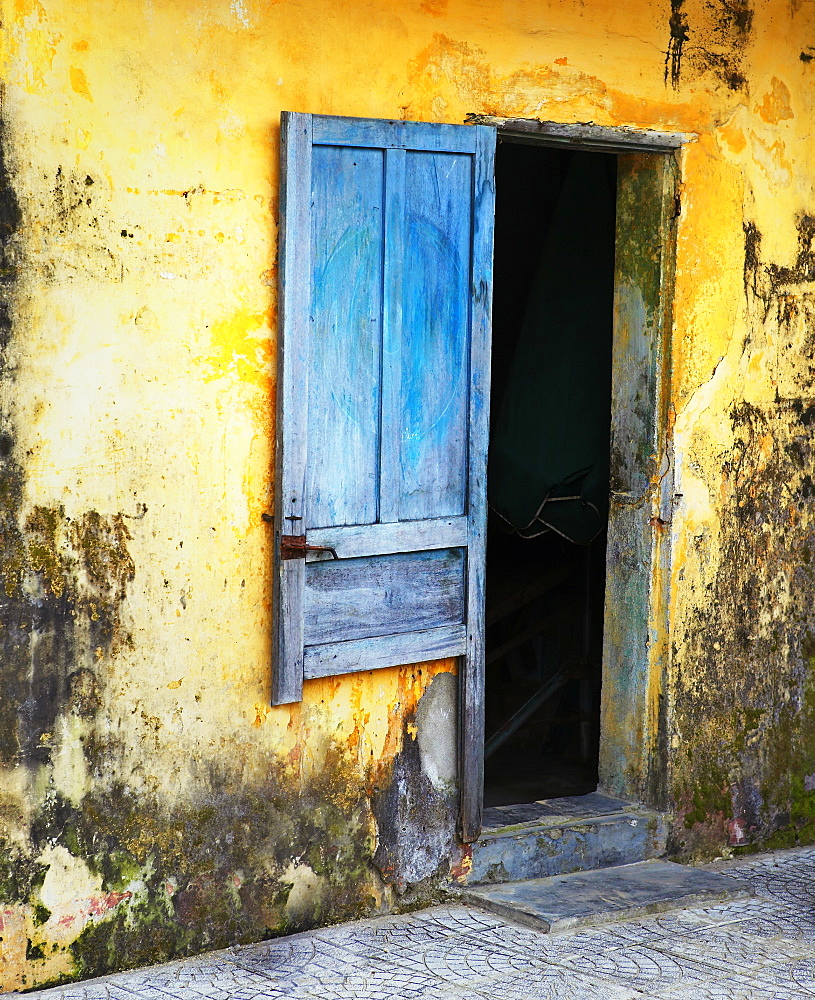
550,436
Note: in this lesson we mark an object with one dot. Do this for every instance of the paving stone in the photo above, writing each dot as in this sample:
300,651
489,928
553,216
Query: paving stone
646,970
726,990
556,984
564,901
796,979
561,946
726,950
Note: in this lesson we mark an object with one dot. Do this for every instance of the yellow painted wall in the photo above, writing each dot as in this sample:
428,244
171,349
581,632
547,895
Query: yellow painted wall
139,228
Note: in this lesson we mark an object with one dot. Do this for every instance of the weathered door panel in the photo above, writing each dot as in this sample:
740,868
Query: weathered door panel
383,595
386,254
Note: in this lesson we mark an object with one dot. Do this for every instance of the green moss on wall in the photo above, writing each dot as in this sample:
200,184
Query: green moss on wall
20,874
744,696
184,877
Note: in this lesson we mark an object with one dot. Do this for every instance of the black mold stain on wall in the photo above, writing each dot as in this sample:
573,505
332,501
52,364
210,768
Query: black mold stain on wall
744,700
716,44
726,40
13,617
679,31
804,268
63,583
752,259
59,579
62,580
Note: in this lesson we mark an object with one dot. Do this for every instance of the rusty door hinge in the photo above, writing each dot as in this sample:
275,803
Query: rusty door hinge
295,547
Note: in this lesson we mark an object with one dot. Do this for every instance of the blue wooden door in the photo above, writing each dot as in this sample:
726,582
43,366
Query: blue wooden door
386,261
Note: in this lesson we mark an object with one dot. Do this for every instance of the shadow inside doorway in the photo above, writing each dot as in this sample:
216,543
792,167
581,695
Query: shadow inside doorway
548,470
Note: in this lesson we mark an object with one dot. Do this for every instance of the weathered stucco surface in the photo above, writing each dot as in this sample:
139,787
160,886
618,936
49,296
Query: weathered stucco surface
152,803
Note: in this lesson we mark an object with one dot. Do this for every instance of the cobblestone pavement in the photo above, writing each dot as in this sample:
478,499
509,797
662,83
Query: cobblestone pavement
756,948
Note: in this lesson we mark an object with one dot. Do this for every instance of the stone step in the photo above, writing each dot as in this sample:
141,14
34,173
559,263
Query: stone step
586,898
555,836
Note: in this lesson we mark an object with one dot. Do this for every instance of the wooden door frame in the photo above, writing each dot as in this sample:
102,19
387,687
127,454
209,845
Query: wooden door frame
635,633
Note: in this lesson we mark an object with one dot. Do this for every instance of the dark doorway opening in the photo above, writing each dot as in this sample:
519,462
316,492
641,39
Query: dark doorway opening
548,478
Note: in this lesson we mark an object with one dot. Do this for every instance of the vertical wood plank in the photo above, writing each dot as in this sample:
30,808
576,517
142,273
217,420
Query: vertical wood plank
471,689
435,334
394,262
347,236
292,373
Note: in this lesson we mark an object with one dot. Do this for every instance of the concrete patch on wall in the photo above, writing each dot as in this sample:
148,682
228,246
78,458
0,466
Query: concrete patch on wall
437,728
415,799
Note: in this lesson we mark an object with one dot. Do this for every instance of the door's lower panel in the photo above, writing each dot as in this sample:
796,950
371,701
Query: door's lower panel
384,651
349,599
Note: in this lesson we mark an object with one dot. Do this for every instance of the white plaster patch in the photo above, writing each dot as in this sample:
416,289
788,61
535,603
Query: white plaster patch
696,503
770,158
67,882
305,885
436,721
241,13
232,124
71,773
703,398
75,896
697,509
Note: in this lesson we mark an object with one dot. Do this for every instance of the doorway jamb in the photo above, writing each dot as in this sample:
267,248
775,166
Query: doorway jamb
636,648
